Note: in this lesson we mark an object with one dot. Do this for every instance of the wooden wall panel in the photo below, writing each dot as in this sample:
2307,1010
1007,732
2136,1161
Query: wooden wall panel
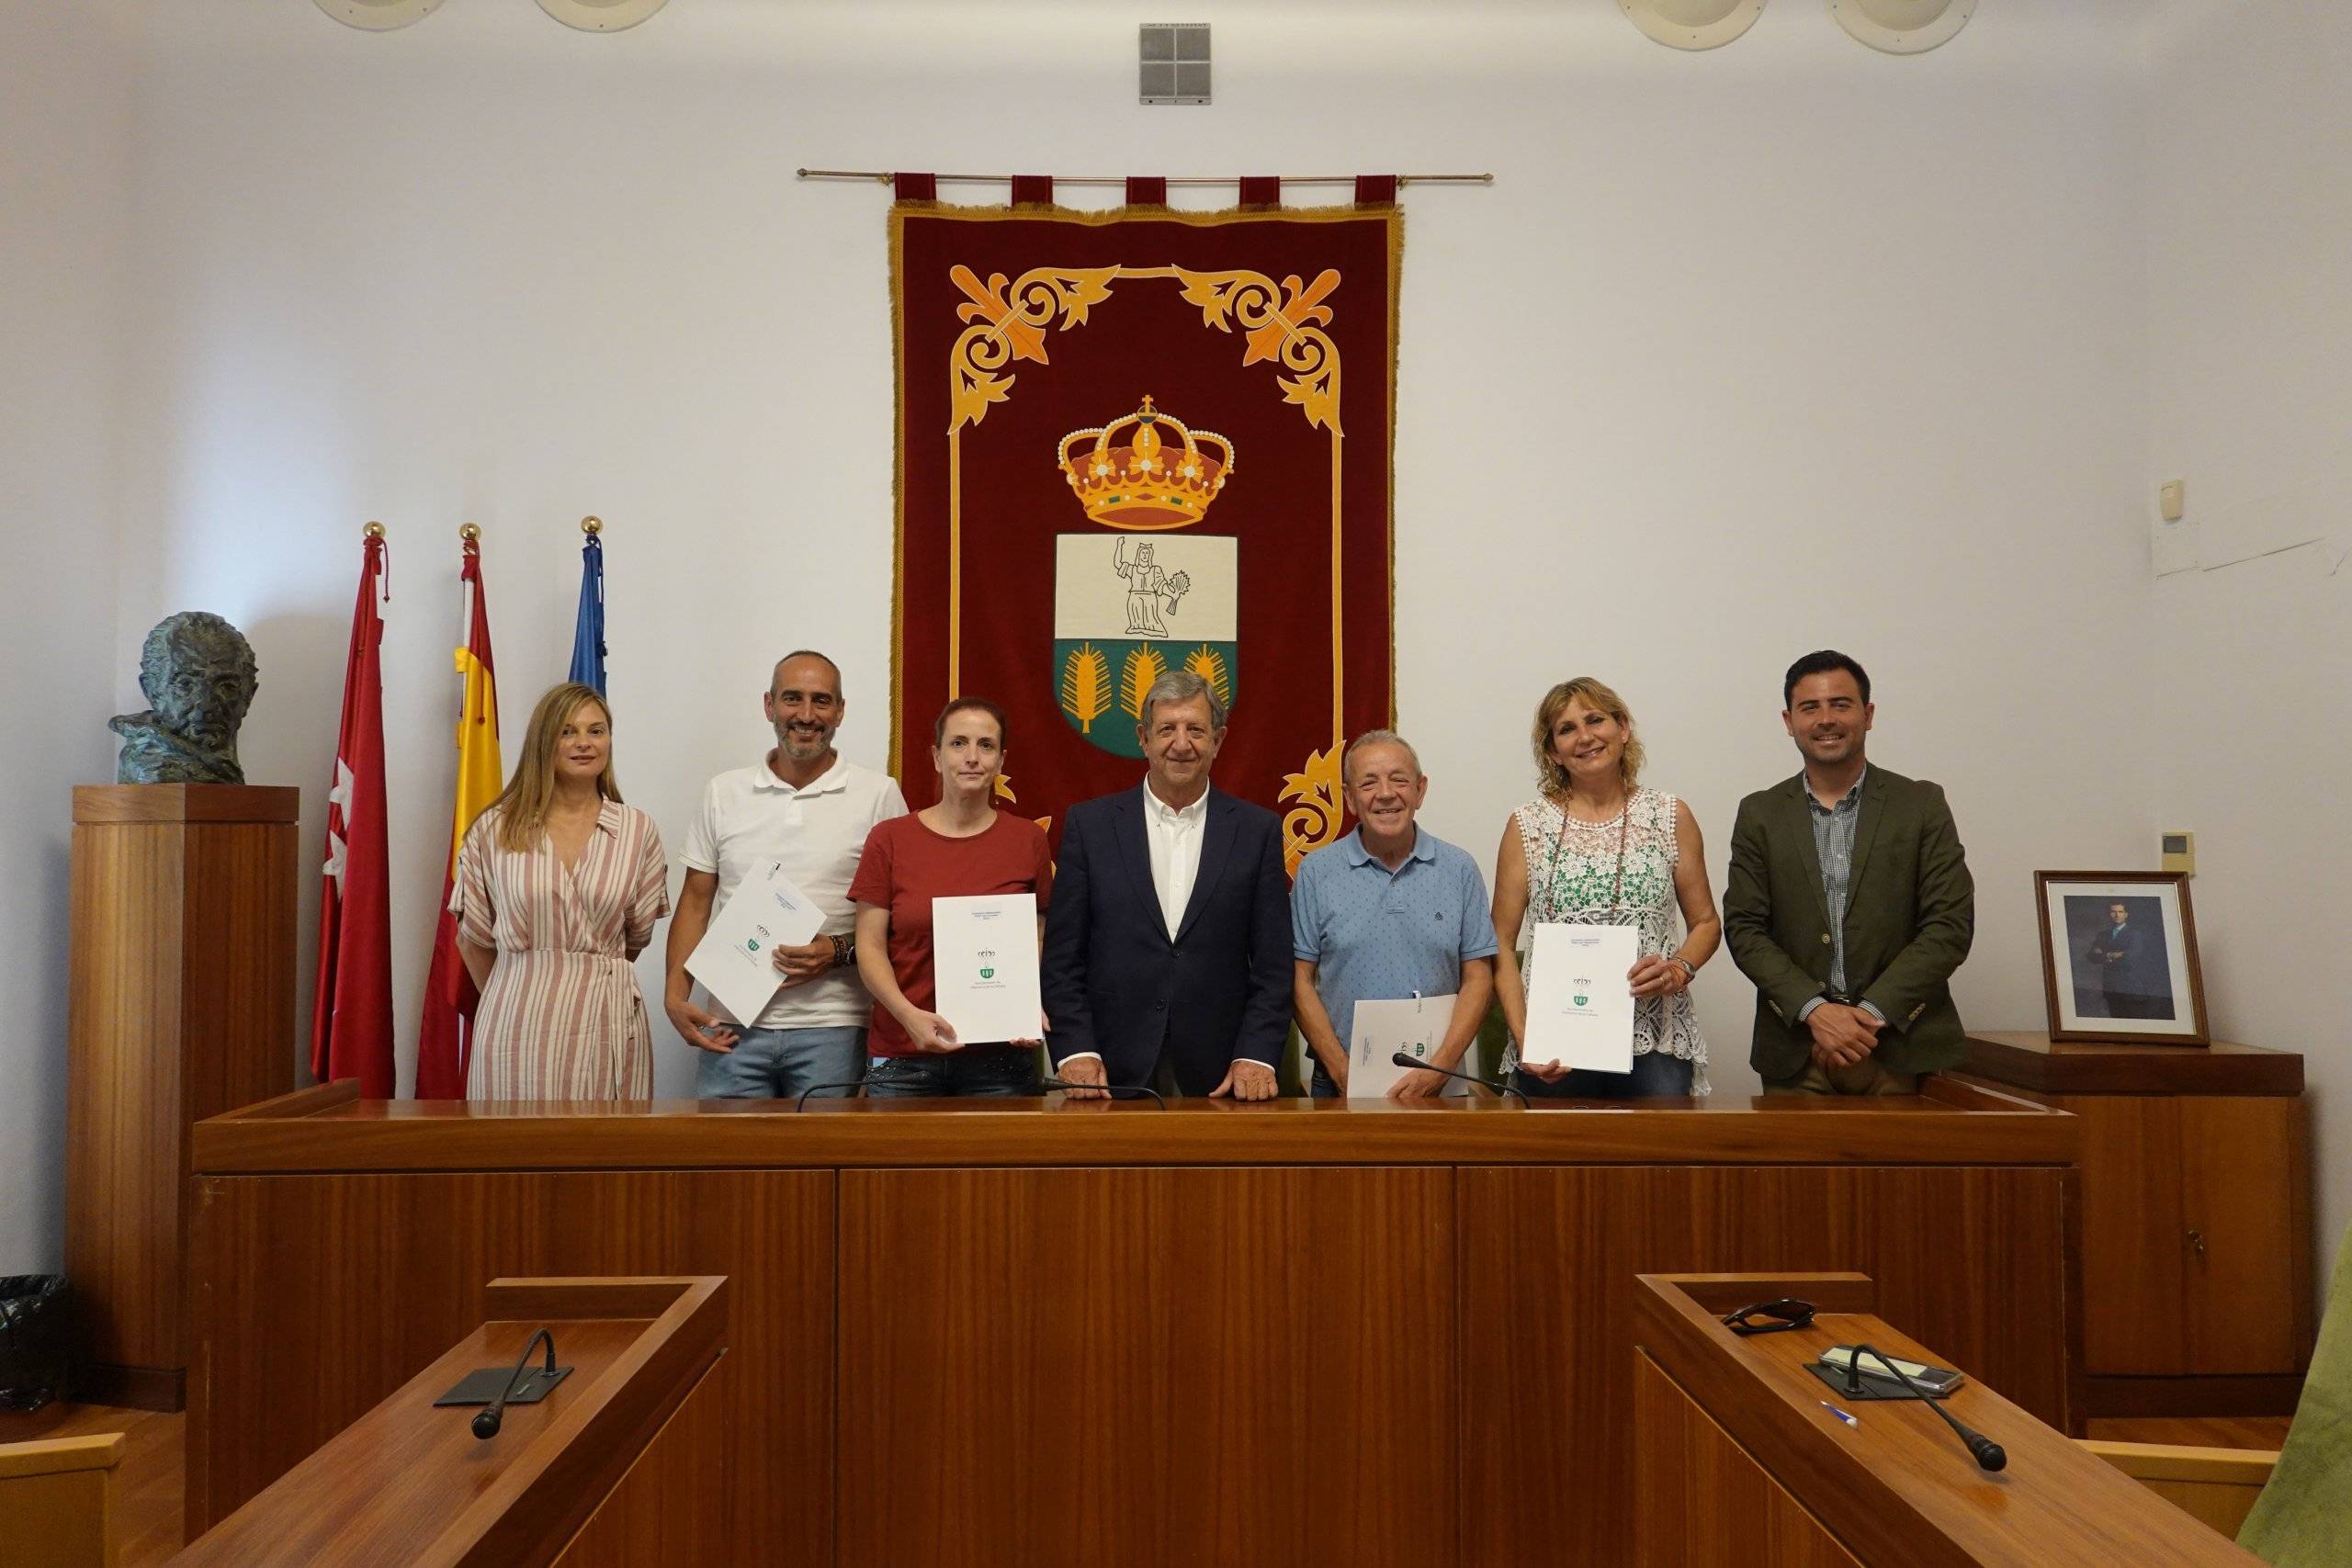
237,1025
1148,1366
326,1293
2134,1259
1700,1501
660,1516
1968,1259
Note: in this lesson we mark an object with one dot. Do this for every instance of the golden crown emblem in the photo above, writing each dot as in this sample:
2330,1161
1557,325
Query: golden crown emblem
1149,482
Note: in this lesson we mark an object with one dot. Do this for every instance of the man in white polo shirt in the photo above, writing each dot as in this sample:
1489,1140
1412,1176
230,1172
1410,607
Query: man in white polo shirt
806,807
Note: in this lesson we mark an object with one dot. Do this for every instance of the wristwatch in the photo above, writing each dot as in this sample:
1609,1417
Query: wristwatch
844,949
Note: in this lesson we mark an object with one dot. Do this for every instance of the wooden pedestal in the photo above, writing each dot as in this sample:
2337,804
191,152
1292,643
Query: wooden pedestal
182,997
2196,1227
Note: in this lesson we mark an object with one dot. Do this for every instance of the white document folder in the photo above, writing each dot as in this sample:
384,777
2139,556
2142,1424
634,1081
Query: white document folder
984,967
735,960
1416,1027
1579,1004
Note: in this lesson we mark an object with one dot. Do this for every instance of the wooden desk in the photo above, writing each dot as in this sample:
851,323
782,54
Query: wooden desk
57,1502
2197,1244
1739,1463
627,1463
1032,1332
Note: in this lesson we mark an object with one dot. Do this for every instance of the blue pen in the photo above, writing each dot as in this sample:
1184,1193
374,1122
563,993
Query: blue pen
1839,1413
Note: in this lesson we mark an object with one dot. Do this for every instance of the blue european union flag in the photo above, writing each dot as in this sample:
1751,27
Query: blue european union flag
588,635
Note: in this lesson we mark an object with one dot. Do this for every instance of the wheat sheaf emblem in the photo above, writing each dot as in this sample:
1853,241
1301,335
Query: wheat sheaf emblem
1086,687
1143,667
1209,665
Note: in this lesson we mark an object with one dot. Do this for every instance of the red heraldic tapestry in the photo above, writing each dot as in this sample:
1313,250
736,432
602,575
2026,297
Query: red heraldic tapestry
1141,441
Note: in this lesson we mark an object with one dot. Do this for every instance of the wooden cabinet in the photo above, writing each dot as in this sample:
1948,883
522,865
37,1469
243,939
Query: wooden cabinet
181,1006
2196,1226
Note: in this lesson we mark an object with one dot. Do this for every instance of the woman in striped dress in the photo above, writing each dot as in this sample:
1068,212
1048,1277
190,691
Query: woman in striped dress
557,887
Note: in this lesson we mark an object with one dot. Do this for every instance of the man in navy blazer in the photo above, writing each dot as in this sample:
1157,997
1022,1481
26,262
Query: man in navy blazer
1168,956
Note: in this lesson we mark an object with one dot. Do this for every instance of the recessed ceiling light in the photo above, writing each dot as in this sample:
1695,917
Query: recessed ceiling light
600,16
1903,27
1693,24
379,15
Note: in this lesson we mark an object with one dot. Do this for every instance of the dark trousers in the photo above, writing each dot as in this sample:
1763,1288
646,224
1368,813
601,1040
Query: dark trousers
1655,1075
979,1070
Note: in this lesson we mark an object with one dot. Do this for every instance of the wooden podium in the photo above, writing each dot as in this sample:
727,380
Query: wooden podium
628,1463
1739,1463
182,1007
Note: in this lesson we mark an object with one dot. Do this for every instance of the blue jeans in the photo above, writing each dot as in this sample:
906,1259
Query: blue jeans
782,1063
1655,1074
1319,1084
979,1070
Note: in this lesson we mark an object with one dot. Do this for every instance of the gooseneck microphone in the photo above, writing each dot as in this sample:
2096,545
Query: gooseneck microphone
1113,1089
802,1103
487,1420
1989,1454
1501,1086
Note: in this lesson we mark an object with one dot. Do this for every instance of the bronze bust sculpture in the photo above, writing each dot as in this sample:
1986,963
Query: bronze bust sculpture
198,674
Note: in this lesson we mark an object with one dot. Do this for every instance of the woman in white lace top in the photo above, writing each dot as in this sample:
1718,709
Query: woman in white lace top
1595,849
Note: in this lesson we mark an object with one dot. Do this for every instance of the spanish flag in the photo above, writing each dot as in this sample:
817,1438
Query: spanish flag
445,1037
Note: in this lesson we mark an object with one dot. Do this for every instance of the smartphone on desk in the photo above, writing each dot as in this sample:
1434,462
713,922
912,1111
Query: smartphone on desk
1936,1381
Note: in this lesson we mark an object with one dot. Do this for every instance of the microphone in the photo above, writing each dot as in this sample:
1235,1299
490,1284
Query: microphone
802,1103
487,1420
1989,1454
1501,1086
1113,1089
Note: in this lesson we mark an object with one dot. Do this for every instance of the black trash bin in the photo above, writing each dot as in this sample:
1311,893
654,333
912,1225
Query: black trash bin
32,1340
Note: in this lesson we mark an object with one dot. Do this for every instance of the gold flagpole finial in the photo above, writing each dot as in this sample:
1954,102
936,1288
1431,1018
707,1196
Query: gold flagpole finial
470,532
592,525
373,531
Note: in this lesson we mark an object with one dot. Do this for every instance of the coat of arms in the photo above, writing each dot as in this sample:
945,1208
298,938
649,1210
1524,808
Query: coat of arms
1126,612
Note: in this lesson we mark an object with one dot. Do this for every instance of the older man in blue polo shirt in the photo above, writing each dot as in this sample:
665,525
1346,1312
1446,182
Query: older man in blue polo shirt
1386,914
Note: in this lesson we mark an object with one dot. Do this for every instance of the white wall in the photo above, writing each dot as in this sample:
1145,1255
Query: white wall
64,130
2250,312
1818,345
1742,353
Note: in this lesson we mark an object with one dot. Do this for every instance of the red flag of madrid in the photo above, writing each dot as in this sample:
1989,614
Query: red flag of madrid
445,1038
351,1017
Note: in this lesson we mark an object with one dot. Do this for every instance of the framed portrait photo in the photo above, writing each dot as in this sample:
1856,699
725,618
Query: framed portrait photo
2118,957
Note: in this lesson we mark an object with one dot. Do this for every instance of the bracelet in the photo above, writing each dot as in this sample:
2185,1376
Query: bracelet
1690,970
844,950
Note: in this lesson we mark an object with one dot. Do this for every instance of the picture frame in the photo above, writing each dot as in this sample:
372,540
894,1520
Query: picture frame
2118,957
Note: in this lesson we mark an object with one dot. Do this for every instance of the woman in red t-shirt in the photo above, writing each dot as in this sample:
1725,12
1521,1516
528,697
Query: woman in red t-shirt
962,847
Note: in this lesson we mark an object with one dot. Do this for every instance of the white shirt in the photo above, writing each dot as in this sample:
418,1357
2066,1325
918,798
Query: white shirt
1175,835
749,816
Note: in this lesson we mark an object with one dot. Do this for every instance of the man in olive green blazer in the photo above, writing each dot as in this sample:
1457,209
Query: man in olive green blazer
1849,905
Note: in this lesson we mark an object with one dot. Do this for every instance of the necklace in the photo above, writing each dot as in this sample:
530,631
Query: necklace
1617,887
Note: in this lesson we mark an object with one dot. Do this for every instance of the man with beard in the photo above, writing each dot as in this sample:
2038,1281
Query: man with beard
1849,906
807,807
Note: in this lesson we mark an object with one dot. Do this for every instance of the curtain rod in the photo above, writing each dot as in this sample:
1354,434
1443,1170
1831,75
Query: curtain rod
887,176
